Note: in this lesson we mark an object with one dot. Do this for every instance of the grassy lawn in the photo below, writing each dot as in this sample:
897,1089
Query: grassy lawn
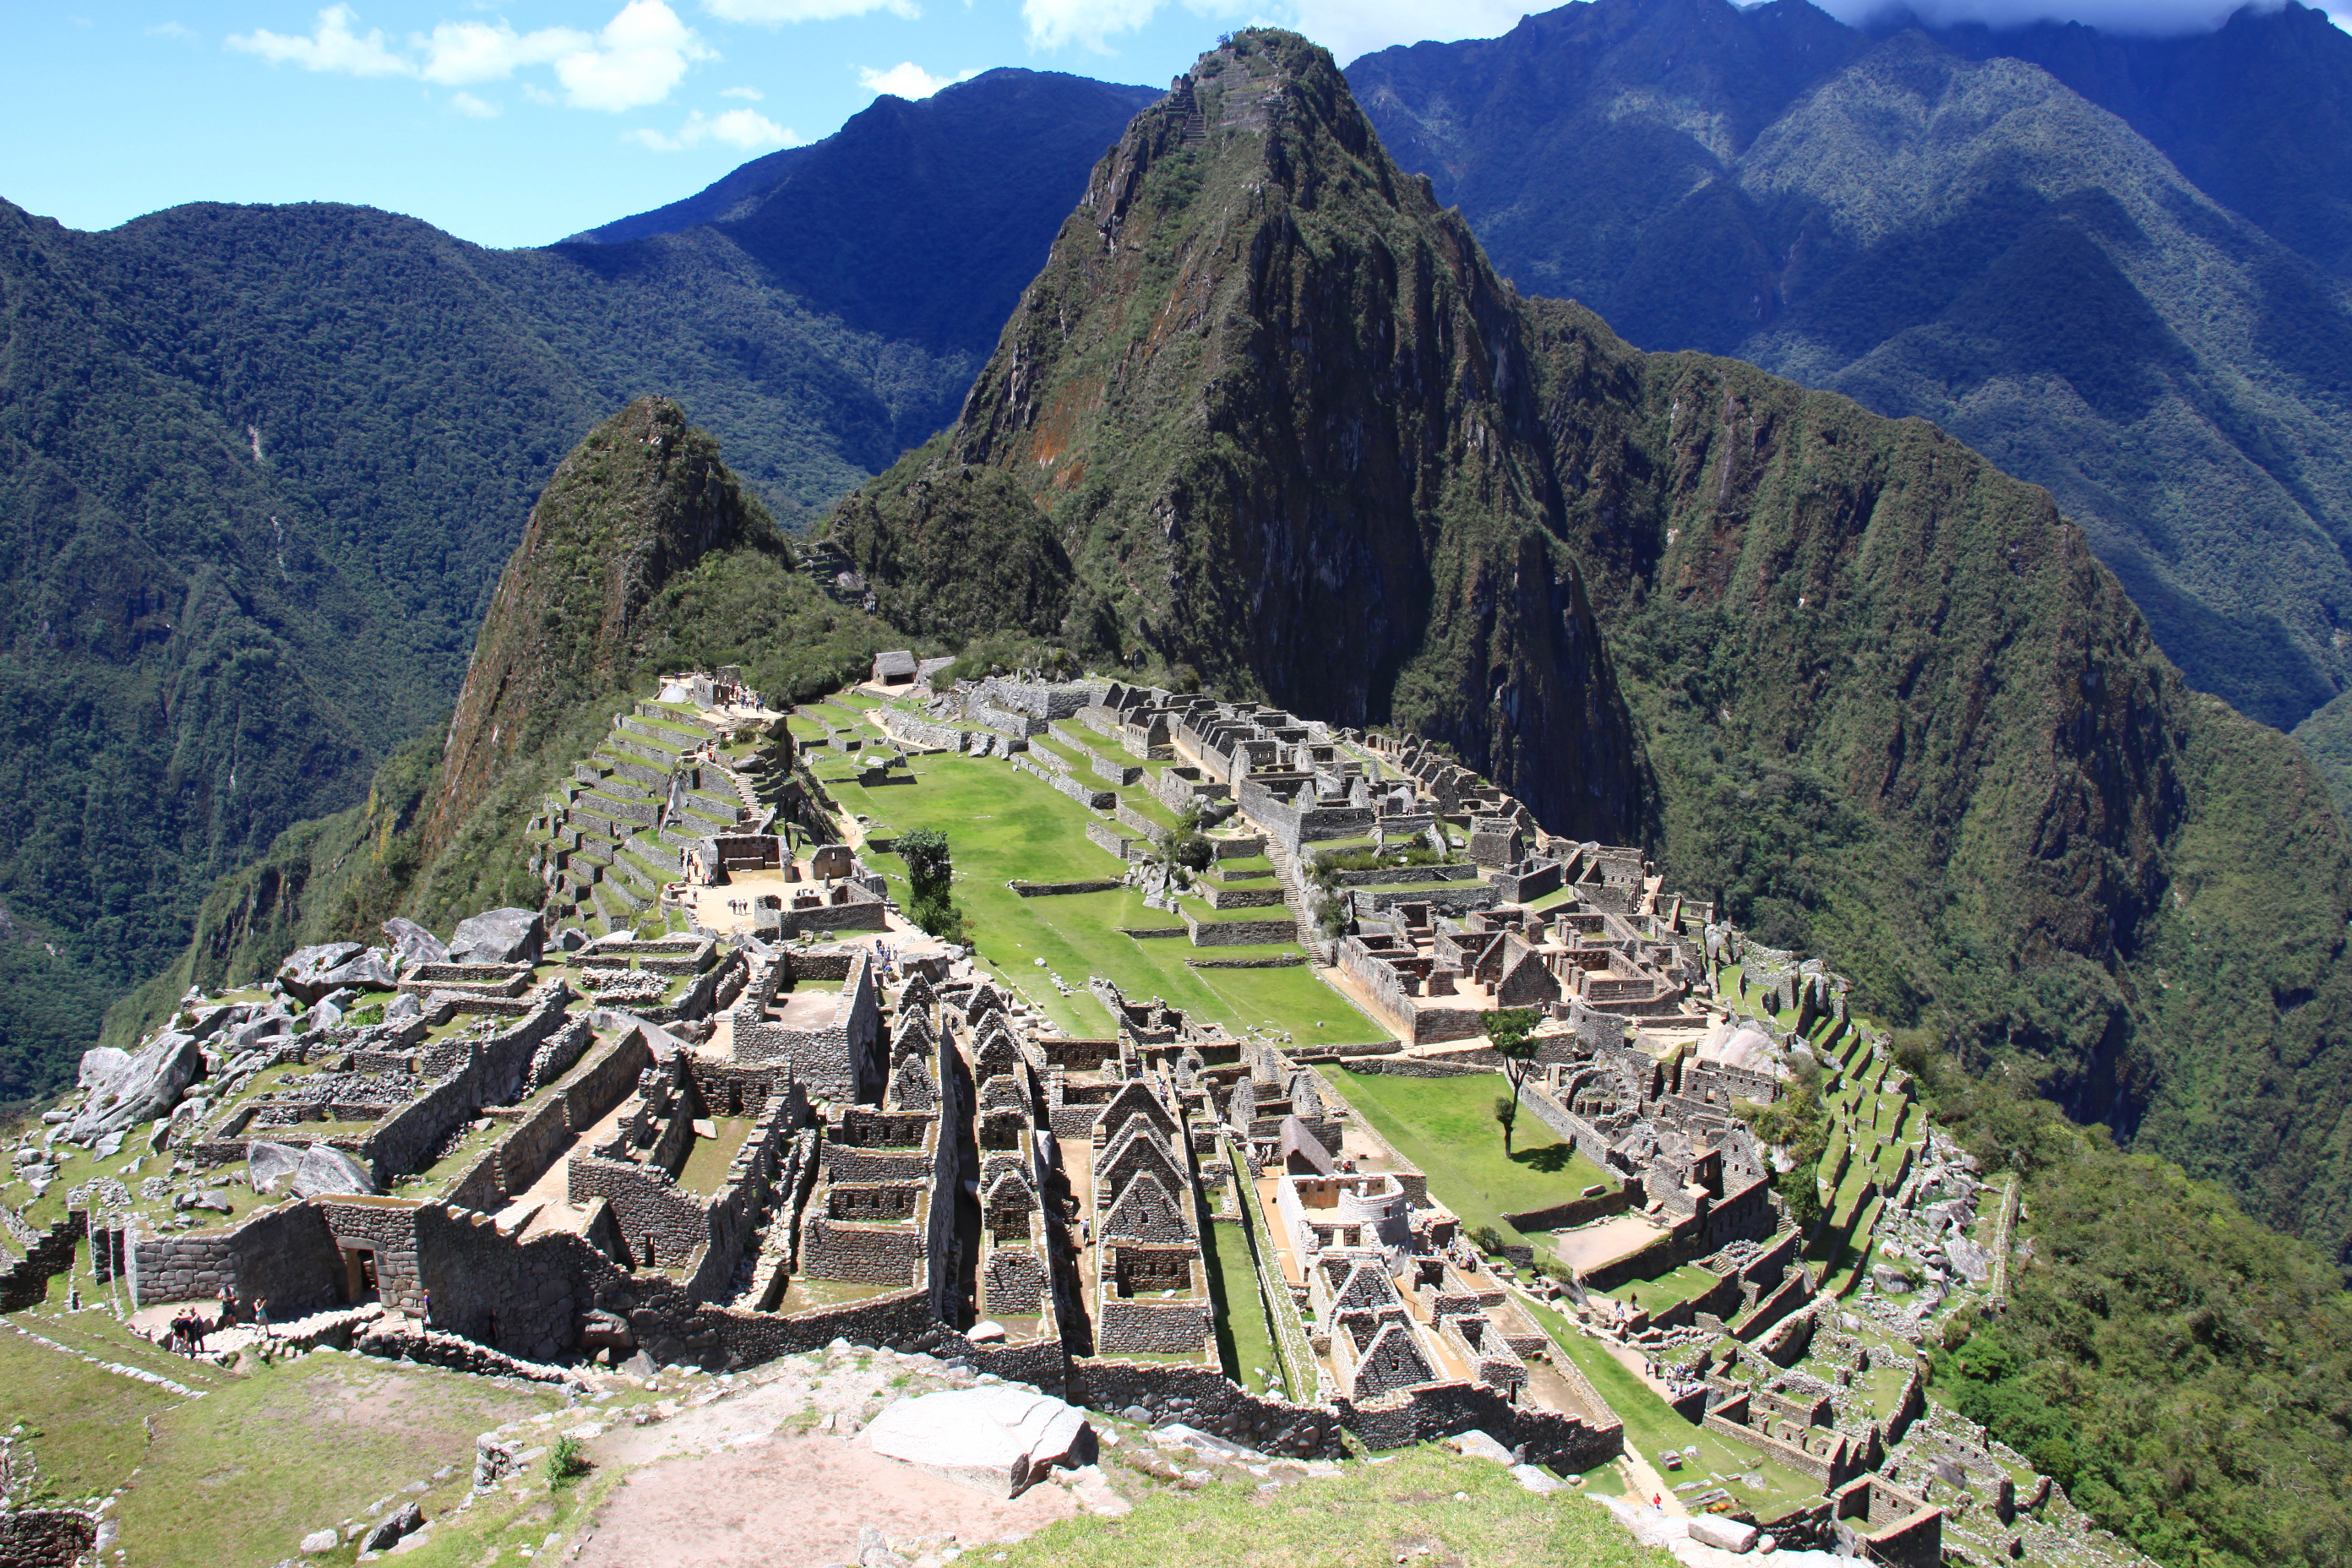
1423,1506
707,1162
1002,824
81,1421
1243,1340
242,1474
1656,1294
1446,1126
1651,1425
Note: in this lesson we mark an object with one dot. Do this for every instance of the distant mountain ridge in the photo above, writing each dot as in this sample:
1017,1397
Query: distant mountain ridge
1269,418
260,468
1936,228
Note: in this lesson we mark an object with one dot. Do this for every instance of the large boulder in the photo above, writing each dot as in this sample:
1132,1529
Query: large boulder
998,1437
306,971
102,1065
413,944
1971,1261
498,936
325,1172
1723,1534
270,1167
142,1087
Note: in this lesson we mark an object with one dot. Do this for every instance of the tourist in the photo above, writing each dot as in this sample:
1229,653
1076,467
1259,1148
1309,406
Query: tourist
261,1317
229,1305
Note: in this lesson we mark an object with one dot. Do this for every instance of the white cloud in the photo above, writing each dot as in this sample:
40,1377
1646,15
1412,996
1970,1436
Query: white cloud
461,52
637,59
753,93
1058,24
744,128
170,31
640,56
335,46
776,13
473,107
908,79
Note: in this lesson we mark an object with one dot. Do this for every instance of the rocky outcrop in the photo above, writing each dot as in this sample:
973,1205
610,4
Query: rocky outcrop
127,1088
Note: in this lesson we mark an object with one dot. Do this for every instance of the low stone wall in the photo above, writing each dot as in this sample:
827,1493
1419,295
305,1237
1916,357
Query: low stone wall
1103,835
907,730
1058,890
1131,817
1434,1410
1381,875
1279,960
1423,1066
1237,933
1574,1212
1205,1398
1444,898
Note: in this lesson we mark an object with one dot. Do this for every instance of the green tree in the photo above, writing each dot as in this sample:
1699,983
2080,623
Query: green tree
930,872
1510,1032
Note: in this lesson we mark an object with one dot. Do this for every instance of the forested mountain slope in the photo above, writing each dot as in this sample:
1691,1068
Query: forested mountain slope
1975,243
1269,416
259,468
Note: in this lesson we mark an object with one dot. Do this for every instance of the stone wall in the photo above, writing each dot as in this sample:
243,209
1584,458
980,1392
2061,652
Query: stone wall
1085,794
1178,1327
1434,1410
45,1536
387,1228
1103,835
286,1254
26,1280
1204,1397
1237,933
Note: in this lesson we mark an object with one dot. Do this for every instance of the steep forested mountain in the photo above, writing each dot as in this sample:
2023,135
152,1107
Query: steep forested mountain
260,467
1935,226
1269,416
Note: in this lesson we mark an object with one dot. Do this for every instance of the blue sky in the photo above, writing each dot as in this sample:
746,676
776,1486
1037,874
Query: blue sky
518,123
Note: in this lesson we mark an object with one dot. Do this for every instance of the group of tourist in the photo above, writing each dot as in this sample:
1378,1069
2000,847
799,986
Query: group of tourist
187,1331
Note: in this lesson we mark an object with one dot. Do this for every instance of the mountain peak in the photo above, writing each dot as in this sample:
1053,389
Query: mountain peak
639,502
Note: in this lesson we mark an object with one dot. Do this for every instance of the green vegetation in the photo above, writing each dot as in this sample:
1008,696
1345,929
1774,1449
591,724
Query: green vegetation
305,1444
1507,1032
82,1423
1652,1426
924,853
1456,1509
2045,284
1009,824
2182,1369
1441,1125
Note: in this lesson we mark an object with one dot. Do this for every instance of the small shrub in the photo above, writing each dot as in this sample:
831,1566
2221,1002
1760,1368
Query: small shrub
565,1462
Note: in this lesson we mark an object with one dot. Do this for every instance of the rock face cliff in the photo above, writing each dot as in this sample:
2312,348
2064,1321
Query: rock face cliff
636,504
1268,417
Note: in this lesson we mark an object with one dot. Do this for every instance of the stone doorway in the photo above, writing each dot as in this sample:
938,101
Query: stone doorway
360,1286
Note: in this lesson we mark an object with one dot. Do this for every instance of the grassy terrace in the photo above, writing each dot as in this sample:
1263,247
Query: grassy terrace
1425,1506
1651,1425
1657,1294
1244,1342
1446,1126
706,1163
1002,824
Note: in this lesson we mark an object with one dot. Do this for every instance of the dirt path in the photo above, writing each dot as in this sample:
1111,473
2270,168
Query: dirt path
786,1503
742,1481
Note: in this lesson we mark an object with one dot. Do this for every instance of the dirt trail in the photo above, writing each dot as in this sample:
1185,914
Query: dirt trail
796,1502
